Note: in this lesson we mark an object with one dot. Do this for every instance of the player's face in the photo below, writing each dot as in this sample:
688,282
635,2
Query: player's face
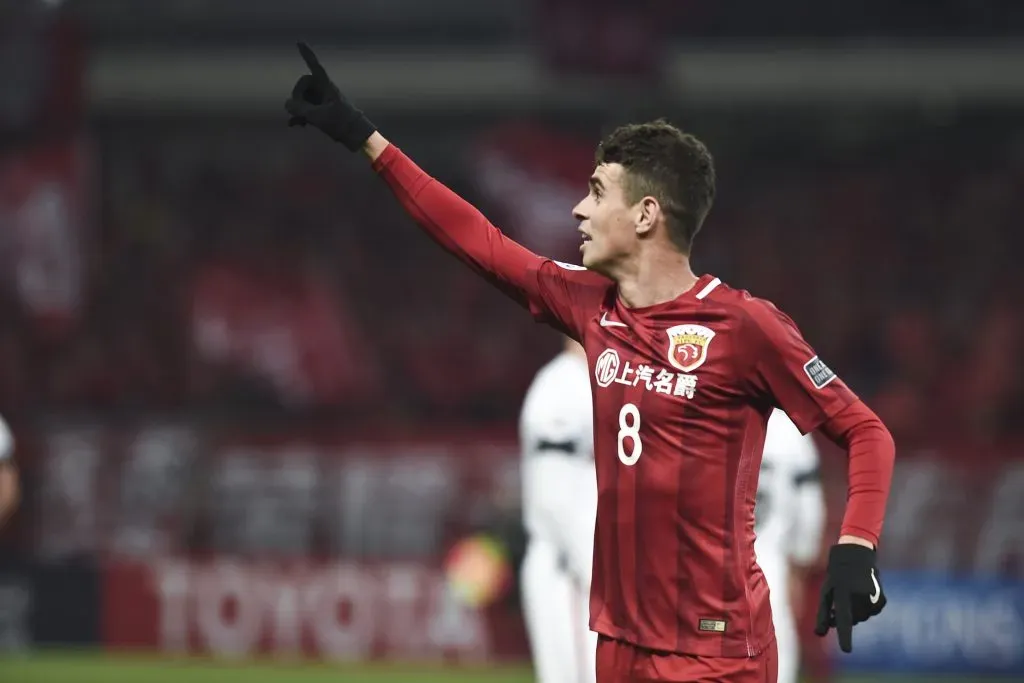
607,221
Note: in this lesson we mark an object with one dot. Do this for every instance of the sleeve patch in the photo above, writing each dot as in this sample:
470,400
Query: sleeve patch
819,373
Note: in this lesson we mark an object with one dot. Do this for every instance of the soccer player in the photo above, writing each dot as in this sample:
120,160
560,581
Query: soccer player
559,505
10,490
685,371
790,516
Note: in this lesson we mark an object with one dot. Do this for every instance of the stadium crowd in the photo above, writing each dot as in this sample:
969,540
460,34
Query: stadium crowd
215,269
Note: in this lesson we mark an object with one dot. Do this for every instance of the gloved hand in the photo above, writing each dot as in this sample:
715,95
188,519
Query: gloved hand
317,101
851,592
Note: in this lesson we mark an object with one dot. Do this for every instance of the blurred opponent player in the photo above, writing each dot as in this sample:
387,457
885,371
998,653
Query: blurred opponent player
556,432
790,519
685,371
10,490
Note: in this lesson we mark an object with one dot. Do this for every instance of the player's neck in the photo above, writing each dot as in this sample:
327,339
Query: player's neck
662,276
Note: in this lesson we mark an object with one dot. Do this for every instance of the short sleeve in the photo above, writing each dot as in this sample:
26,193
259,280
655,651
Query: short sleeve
565,296
788,371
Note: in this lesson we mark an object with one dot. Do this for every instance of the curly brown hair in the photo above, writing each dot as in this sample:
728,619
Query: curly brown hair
663,162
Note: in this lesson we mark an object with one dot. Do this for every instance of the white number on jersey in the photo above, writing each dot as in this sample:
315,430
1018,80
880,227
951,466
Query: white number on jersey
629,428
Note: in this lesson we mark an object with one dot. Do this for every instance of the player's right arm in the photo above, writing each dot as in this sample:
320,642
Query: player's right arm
564,296
557,293
10,489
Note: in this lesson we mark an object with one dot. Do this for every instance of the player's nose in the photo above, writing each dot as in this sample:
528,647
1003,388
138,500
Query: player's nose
578,213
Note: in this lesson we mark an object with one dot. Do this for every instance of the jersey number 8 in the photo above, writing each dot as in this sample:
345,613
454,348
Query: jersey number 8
629,428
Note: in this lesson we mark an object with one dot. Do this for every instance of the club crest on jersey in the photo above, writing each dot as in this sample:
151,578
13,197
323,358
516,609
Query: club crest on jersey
688,346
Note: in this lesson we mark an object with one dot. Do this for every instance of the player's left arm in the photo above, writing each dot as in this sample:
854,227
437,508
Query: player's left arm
788,371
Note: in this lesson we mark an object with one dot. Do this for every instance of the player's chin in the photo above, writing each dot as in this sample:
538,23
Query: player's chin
595,263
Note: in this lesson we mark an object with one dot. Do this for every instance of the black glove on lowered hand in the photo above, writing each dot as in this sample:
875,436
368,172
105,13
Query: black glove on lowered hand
851,593
317,101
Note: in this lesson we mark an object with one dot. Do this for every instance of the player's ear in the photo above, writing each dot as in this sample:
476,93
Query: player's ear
648,211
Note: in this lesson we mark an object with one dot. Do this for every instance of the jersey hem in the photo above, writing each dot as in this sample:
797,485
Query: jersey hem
711,647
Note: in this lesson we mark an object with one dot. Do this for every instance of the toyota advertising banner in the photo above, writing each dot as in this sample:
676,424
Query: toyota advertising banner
336,611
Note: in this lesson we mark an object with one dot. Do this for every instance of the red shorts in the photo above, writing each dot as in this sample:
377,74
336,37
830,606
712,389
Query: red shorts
619,662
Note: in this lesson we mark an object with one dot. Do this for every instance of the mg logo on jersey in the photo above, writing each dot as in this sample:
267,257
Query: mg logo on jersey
606,369
609,369
688,346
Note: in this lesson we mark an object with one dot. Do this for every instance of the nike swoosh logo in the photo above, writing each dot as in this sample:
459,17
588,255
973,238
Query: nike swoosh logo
878,589
605,322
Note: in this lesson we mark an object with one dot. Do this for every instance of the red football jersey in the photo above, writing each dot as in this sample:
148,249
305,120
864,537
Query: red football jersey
682,394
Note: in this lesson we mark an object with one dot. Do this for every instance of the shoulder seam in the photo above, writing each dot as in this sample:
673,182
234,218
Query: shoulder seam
747,321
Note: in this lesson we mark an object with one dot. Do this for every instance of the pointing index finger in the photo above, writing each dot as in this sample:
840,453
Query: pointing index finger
844,620
312,62
824,610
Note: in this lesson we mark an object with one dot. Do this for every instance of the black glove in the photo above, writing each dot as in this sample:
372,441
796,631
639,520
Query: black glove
317,101
851,594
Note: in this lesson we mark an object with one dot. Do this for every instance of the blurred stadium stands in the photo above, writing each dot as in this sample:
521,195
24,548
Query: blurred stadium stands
240,378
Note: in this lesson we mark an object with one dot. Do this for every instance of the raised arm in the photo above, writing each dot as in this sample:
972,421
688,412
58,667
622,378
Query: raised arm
552,291
562,295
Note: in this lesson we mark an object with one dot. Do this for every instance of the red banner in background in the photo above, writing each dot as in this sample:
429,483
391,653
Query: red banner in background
342,611
284,325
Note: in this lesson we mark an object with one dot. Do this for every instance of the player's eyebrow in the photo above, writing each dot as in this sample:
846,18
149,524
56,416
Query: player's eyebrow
595,183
